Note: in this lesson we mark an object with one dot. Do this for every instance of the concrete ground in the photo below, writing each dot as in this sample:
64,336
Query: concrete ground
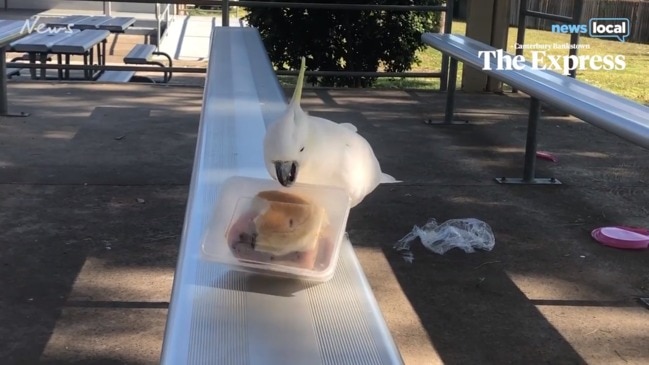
93,187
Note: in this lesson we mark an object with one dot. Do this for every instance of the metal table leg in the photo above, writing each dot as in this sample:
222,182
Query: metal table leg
67,62
4,104
32,61
103,51
59,61
43,59
85,63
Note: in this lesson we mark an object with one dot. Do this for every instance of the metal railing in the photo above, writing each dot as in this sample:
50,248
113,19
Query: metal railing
107,8
162,16
524,12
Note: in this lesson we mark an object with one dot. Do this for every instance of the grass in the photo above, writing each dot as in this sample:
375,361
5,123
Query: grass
236,12
632,82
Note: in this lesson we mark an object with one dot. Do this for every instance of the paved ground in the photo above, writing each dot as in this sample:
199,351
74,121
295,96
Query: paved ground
93,188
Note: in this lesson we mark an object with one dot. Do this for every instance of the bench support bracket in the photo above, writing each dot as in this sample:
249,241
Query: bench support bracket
530,152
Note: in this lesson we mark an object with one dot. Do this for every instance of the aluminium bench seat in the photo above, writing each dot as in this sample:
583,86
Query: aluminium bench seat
116,76
218,315
142,54
615,114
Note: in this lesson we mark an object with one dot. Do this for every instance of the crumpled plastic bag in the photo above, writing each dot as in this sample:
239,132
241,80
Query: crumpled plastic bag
467,234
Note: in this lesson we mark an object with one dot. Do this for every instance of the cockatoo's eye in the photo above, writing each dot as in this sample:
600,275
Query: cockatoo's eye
301,149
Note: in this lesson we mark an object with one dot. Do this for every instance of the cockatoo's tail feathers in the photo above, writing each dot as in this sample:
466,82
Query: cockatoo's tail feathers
387,179
297,94
349,126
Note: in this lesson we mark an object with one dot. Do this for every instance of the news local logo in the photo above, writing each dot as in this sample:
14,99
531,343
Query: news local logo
619,28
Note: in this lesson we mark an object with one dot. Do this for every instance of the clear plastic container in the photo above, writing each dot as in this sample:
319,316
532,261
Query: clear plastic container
256,227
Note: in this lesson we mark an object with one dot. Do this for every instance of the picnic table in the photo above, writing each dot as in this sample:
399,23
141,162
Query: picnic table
102,22
64,44
10,30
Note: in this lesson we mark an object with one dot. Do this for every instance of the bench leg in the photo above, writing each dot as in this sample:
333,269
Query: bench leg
90,72
450,98
450,93
103,52
167,75
32,60
4,104
59,61
530,152
43,63
67,62
443,81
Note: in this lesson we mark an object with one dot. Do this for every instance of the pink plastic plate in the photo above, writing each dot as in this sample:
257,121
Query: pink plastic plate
630,238
544,155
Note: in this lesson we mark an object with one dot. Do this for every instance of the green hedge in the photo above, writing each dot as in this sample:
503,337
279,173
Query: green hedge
344,40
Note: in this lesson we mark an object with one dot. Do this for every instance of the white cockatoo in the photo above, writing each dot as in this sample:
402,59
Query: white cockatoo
302,148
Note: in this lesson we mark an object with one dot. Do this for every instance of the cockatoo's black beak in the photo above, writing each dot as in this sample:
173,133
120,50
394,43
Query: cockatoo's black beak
286,172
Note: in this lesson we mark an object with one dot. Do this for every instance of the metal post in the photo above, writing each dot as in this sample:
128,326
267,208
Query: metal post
450,92
157,18
85,63
574,37
107,8
530,151
32,60
450,97
448,23
43,59
59,60
225,13
67,62
530,144
4,104
520,36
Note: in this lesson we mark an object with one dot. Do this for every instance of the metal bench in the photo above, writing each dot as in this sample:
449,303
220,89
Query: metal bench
615,114
221,316
142,54
116,76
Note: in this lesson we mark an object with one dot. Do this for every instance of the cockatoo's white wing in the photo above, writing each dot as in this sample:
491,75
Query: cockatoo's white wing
347,161
360,169
349,126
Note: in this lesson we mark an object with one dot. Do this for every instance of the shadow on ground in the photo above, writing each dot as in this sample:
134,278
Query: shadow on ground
92,209
547,293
